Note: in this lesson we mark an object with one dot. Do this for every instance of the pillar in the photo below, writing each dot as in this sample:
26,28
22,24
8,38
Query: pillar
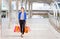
21,3
9,11
0,12
0,8
16,11
25,5
29,10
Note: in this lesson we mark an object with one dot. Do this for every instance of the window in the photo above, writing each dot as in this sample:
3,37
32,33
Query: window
14,5
59,5
40,6
5,5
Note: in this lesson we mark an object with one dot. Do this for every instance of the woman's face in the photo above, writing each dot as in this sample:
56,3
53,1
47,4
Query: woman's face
22,9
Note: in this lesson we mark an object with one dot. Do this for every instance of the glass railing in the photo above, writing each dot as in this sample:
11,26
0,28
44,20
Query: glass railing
54,18
54,21
59,13
58,18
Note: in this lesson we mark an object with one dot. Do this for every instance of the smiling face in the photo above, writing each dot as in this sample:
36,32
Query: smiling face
22,9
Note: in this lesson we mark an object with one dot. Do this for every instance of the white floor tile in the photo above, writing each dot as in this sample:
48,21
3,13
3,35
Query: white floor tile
40,29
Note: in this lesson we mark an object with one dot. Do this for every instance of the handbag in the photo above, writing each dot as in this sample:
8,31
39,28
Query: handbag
27,29
17,28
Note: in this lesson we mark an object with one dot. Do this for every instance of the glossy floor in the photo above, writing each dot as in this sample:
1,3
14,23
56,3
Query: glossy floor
40,29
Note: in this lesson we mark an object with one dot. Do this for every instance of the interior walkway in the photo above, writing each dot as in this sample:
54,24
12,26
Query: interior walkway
40,29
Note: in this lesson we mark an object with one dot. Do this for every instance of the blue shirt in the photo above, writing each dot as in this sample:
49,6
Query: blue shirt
19,15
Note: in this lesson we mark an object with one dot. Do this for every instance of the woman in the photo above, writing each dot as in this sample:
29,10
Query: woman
22,20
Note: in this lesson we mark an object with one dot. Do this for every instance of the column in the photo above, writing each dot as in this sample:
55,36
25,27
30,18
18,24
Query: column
0,17
25,5
0,12
0,8
29,10
16,6
17,11
9,6
21,3
9,13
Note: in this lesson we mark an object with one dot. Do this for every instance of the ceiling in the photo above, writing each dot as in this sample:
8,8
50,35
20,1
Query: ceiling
44,1
58,0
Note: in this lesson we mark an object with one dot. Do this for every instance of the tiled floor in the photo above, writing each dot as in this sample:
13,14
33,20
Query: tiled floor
40,29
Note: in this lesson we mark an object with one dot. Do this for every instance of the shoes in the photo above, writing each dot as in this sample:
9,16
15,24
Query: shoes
22,35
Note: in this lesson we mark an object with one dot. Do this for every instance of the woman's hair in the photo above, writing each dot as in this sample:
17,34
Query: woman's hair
22,7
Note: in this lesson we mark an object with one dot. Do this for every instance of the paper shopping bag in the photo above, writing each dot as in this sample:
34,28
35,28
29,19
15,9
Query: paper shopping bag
17,29
27,29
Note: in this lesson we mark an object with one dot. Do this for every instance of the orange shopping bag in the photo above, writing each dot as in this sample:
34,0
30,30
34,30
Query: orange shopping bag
27,29
17,29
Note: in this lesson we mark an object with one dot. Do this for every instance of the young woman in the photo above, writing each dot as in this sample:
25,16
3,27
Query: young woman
22,20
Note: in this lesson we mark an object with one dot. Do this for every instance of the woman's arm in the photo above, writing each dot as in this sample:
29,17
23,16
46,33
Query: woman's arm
25,17
19,15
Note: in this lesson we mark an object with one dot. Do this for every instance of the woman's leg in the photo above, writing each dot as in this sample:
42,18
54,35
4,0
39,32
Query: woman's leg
20,25
23,26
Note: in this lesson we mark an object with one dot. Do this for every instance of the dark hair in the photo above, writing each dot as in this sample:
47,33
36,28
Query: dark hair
22,7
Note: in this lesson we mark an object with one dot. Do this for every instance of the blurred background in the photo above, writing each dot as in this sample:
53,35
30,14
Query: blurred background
43,18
